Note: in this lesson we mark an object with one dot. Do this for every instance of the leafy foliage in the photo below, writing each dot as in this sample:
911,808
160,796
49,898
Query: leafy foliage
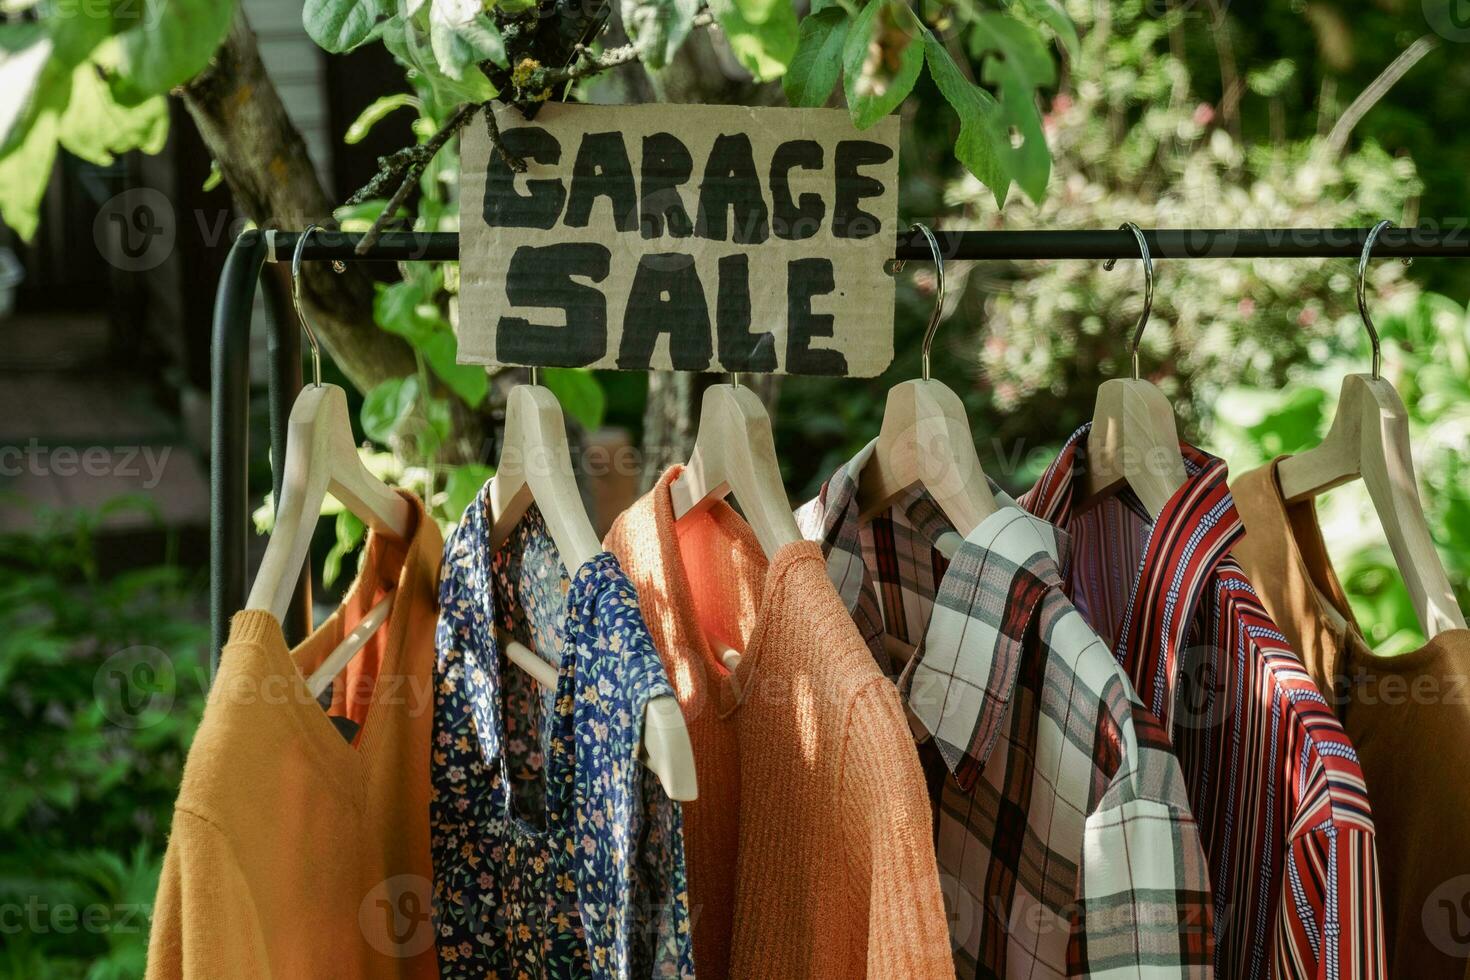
817,64
658,27
761,33
877,49
102,685
979,119
1427,358
1133,142
881,60
1250,352
884,46
91,77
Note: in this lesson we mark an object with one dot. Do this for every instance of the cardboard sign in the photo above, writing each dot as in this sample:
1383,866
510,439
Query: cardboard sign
693,238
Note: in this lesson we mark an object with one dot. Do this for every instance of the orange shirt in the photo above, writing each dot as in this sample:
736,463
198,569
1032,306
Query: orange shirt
294,852
810,848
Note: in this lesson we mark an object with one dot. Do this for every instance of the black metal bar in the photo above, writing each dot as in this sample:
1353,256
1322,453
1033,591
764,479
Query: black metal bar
1196,243
235,297
283,360
229,435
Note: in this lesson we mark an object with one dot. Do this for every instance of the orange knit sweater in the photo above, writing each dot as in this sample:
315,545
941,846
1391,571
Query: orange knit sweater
810,848
295,853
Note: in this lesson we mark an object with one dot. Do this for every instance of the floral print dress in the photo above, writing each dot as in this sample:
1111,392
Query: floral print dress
556,853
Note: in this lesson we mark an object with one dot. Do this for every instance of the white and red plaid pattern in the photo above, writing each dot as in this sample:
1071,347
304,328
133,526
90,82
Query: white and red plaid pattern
1065,842
1272,779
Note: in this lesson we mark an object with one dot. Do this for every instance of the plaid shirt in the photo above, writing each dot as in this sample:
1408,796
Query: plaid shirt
1273,781
1064,839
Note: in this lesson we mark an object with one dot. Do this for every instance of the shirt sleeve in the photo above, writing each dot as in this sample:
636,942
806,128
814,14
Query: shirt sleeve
205,925
888,825
1329,922
1143,895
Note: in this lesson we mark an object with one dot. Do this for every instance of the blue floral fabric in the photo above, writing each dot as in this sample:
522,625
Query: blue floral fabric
556,853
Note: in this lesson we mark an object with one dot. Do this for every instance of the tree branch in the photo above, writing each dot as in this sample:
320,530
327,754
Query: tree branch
410,164
263,160
535,82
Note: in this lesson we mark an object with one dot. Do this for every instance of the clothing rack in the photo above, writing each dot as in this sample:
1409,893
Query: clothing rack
229,510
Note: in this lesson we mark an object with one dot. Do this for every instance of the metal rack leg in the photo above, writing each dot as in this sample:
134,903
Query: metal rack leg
229,434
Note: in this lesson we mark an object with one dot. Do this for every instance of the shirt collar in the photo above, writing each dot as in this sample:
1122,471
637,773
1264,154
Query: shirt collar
831,518
1286,557
1189,538
467,585
964,671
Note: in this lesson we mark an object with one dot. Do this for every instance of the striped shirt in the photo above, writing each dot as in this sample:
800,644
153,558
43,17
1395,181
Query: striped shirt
1273,781
1063,834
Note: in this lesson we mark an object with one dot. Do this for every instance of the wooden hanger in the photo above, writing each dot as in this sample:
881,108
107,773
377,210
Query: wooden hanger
735,453
536,466
926,439
1134,439
1369,440
321,458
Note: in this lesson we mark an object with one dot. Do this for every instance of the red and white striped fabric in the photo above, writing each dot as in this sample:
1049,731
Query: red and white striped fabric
1272,779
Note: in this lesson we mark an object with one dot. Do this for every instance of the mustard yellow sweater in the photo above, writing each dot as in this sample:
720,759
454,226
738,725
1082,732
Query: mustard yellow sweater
294,852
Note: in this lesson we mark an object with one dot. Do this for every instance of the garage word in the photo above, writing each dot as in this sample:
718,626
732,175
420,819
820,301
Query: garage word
689,238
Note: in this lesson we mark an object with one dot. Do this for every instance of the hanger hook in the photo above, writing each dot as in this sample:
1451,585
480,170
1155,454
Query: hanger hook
1368,244
316,351
938,311
1148,289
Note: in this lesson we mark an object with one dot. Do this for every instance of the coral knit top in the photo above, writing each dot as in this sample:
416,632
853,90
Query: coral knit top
810,848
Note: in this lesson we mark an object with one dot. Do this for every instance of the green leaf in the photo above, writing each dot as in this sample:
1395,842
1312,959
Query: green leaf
406,38
468,381
375,113
162,44
1017,63
761,11
580,394
360,216
818,60
25,170
1051,13
881,60
461,37
96,128
349,534
402,308
386,406
1017,43
438,413
978,144
463,486
658,27
26,54
764,48
341,25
